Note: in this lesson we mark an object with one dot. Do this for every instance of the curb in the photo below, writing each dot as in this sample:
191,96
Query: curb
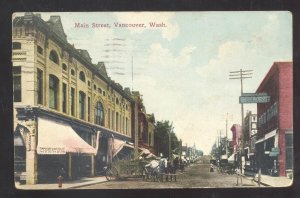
86,184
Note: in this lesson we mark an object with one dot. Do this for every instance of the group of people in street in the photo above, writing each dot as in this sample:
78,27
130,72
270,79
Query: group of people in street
164,167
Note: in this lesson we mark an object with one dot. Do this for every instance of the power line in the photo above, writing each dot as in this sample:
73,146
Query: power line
241,75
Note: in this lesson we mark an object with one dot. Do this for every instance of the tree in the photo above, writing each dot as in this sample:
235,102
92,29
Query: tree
162,131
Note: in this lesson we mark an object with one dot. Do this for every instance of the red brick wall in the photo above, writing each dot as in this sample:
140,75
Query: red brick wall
278,83
285,110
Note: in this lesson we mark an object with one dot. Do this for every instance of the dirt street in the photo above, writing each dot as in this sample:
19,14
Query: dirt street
197,175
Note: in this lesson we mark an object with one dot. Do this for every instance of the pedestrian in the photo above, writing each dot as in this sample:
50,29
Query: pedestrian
211,168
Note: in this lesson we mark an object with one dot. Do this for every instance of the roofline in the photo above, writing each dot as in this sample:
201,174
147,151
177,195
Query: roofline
76,53
275,66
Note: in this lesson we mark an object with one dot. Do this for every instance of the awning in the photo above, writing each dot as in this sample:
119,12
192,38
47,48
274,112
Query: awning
59,138
231,158
119,145
260,140
271,134
144,151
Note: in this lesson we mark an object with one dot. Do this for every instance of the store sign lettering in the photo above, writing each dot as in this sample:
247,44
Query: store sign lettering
49,150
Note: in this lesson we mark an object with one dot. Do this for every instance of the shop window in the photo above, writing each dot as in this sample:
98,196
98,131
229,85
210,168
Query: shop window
17,84
39,86
99,114
82,105
64,66
54,57
40,50
53,91
64,102
16,45
289,150
82,76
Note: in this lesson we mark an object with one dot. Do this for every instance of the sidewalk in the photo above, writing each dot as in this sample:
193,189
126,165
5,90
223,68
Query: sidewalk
271,181
66,185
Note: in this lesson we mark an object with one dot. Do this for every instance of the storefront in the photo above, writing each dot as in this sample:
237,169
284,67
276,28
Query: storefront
53,144
267,152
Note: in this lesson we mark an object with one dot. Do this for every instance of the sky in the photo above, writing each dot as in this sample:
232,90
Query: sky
182,69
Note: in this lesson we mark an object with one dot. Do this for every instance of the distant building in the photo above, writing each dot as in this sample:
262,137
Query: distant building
250,131
145,124
274,145
236,135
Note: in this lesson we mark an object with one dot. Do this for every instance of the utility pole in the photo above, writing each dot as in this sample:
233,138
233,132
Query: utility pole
240,75
132,73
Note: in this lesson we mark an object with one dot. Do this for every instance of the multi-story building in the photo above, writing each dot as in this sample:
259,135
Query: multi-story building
68,113
274,145
145,124
236,135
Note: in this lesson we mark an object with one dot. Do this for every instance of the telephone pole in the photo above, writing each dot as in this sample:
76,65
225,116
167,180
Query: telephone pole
241,75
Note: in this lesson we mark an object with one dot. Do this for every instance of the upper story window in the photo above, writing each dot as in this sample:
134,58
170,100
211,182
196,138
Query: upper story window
89,83
82,76
17,85
100,90
40,50
117,100
39,86
95,87
53,91
72,72
54,56
103,93
64,66
82,105
99,114
16,45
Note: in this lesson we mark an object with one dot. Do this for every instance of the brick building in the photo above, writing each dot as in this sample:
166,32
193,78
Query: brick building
274,145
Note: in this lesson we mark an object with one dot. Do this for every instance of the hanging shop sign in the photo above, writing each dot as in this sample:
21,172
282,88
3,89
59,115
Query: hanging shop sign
254,98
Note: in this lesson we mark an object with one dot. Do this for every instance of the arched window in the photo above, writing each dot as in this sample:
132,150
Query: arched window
53,91
64,66
54,57
82,76
16,45
40,50
99,114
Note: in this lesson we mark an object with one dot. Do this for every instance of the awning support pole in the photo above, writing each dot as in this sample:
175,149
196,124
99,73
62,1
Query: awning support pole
92,166
70,166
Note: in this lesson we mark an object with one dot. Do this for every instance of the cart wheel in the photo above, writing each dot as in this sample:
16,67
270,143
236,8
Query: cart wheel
111,173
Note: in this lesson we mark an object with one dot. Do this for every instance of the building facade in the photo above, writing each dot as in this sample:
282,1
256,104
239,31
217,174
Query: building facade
274,145
145,124
57,85
250,131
